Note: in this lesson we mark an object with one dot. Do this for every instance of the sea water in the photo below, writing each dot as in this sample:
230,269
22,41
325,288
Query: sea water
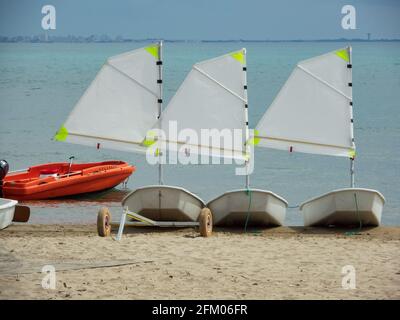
40,83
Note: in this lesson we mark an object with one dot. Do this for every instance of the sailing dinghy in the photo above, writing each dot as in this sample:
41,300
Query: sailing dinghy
117,110
214,96
210,98
313,113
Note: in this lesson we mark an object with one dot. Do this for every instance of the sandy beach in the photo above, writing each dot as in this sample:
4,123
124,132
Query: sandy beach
279,263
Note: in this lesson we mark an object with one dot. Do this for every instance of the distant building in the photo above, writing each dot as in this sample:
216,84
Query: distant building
369,36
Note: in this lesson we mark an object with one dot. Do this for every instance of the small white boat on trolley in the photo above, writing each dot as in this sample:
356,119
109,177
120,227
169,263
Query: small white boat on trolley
160,206
117,110
164,203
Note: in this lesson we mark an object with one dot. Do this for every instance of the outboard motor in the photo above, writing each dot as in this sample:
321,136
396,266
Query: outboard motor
3,172
3,169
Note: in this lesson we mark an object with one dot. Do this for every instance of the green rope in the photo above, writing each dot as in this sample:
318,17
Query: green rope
355,232
248,192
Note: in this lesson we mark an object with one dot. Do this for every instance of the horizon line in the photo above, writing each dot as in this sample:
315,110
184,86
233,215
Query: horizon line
43,38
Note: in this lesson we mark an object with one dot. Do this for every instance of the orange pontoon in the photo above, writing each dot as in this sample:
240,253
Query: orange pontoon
54,180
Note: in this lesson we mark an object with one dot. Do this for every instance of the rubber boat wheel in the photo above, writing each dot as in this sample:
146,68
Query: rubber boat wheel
205,222
104,222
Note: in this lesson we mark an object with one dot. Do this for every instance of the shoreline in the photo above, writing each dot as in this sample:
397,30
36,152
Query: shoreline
75,229
154,263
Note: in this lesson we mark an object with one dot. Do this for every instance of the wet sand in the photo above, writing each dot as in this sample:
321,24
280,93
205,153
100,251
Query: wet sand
278,263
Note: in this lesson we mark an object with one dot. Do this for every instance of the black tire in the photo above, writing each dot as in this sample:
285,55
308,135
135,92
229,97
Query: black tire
104,222
205,222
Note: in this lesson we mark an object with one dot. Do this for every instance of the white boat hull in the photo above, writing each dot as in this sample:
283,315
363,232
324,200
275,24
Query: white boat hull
164,203
232,208
7,209
344,207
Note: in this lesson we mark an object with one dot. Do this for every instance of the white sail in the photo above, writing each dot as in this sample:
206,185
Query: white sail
120,105
211,97
312,113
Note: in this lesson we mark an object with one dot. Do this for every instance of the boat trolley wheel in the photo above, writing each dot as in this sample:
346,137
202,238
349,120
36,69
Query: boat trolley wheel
104,222
205,222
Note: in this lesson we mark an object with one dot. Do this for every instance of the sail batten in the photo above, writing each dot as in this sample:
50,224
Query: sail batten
322,81
220,84
132,79
312,112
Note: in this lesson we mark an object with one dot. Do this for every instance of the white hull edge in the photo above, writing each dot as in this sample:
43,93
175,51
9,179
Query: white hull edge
164,203
232,208
7,209
344,207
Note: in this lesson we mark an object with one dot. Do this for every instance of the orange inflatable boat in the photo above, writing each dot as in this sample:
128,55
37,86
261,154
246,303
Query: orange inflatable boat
54,180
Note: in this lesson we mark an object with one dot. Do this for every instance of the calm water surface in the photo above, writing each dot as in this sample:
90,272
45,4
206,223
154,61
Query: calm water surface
40,83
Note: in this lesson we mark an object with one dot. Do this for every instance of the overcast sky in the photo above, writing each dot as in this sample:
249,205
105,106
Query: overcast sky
204,19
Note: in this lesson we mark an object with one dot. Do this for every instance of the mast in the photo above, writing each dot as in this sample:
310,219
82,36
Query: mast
160,101
349,67
246,117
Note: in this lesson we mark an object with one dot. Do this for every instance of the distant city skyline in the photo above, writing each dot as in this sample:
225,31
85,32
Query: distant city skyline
107,39
203,20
